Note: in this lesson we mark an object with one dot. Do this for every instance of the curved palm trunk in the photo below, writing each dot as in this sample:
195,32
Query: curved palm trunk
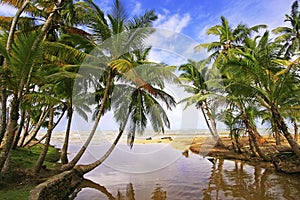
90,184
77,157
83,169
43,154
64,150
282,126
9,133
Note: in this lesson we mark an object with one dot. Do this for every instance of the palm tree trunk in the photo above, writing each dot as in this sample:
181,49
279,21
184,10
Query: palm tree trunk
9,133
44,136
74,161
83,169
253,136
252,147
277,134
295,130
34,132
214,126
206,121
14,24
3,111
43,154
282,126
64,150
25,132
19,131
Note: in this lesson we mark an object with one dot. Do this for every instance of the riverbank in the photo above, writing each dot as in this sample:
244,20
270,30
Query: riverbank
203,145
283,159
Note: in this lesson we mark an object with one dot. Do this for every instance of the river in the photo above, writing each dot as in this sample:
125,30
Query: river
160,171
192,177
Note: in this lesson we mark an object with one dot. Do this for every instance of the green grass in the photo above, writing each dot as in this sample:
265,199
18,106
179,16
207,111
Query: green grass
21,193
25,158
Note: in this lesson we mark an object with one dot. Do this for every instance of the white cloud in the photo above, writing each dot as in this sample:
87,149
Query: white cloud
7,11
174,22
137,8
247,12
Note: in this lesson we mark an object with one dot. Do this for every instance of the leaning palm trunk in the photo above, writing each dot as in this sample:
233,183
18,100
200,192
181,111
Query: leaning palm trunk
24,83
83,169
64,150
42,156
36,129
44,136
77,157
8,47
282,126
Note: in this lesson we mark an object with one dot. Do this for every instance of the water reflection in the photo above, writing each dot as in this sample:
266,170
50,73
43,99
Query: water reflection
157,194
242,184
192,178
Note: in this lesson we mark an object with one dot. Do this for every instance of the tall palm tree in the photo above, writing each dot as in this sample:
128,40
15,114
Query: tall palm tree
124,36
137,106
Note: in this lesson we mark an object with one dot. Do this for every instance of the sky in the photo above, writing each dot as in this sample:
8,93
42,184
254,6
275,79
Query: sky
188,21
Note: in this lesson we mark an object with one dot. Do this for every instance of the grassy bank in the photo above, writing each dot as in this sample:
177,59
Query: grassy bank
21,180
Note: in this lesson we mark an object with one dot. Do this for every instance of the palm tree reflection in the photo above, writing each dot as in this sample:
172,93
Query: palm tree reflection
157,194
238,182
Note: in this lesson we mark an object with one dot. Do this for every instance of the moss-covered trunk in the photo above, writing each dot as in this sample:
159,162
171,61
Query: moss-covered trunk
283,127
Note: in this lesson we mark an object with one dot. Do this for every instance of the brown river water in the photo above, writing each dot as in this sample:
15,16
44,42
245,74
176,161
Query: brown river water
159,172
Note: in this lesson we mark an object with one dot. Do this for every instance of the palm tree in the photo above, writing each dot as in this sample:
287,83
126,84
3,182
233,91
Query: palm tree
136,106
231,118
25,48
229,38
202,96
124,36
272,83
290,36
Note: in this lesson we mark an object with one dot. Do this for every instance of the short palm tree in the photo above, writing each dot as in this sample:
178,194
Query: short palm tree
290,36
202,96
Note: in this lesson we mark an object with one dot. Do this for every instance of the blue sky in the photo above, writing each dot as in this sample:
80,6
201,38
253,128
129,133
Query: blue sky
193,17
